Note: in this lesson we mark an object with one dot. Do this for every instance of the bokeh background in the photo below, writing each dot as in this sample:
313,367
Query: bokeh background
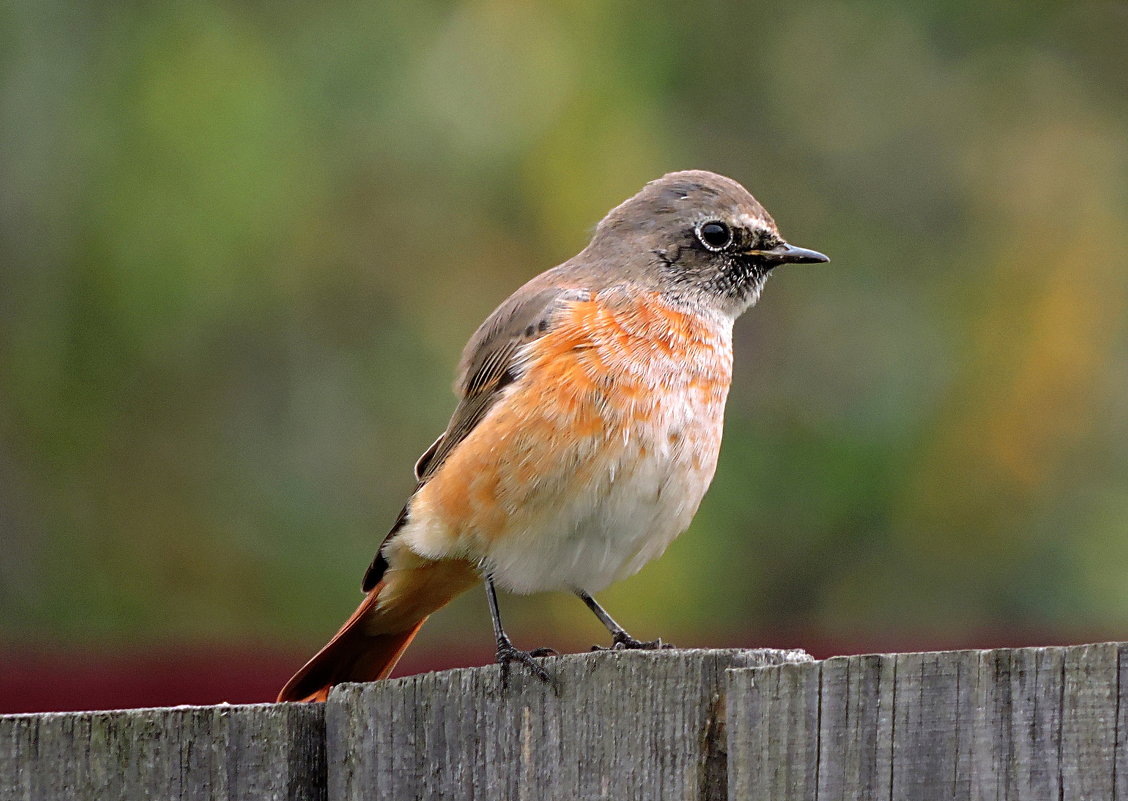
242,245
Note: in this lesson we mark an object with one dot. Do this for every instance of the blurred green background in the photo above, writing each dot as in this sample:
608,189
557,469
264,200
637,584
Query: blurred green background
242,245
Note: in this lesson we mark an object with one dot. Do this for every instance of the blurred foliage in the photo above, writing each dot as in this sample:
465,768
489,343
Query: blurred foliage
242,244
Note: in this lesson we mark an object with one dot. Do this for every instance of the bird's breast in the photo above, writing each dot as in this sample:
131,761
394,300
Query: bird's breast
597,457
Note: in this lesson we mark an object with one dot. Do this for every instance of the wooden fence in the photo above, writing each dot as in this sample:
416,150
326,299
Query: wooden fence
1031,723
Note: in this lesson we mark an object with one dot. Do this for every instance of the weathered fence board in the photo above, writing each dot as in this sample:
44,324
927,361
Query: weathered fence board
242,753
624,725
1122,725
1034,723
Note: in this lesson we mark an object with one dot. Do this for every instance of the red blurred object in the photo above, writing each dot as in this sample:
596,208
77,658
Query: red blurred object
50,680
34,680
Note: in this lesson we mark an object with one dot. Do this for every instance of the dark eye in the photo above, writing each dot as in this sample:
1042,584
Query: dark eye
714,235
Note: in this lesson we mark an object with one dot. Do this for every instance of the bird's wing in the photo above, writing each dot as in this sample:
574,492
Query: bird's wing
487,367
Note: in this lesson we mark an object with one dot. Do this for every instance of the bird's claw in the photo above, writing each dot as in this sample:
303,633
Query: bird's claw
625,642
507,655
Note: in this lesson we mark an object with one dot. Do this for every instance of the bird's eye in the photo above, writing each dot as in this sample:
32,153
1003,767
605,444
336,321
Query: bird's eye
714,235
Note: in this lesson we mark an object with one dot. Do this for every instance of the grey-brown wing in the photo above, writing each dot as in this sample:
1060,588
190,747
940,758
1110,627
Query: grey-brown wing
487,367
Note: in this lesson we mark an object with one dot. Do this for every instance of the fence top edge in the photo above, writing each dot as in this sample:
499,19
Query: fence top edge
570,662
221,709
953,654
787,658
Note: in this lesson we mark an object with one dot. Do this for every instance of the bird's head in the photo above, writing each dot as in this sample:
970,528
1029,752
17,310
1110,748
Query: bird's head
698,236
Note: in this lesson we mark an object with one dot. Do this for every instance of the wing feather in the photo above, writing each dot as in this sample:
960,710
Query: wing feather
488,366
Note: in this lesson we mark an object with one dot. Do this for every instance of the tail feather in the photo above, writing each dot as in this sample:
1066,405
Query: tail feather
375,636
352,655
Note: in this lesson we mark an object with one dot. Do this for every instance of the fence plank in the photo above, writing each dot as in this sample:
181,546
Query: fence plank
1121,767
864,739
625,725
784,744
273,752
1088,725
1034,723
1029,710
930,704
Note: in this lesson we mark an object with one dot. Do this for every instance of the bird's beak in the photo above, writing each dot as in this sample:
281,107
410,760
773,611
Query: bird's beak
788,254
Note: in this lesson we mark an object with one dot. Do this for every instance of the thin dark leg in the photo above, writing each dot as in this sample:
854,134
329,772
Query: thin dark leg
620,640
506,653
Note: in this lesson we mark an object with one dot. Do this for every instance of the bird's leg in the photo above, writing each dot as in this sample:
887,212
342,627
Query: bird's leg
620,640
506,652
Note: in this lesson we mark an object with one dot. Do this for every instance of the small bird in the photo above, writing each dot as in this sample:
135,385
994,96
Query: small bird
589,418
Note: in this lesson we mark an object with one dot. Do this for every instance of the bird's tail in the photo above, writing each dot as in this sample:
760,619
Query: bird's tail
352,655
371,642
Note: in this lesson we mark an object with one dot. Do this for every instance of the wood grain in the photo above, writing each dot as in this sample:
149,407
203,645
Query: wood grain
622,725
268,751
1032,723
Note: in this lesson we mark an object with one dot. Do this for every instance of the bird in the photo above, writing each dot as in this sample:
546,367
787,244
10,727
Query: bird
587,429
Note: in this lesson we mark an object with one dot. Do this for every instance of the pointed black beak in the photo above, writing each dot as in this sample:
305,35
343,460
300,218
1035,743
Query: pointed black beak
788,254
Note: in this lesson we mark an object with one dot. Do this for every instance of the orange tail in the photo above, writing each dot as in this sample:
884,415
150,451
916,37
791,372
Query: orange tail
375,636
352,655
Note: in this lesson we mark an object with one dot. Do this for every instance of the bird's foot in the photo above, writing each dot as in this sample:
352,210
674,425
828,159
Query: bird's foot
621,641
507,655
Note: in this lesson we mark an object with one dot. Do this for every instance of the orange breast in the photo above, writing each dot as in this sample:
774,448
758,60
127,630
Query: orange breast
617,386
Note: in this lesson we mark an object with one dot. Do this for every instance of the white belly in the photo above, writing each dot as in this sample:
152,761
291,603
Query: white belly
633,506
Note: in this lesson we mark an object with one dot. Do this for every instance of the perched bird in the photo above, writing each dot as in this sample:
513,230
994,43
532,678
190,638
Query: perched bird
587,428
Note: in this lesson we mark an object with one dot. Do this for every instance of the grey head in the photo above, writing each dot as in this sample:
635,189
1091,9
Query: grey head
695,236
